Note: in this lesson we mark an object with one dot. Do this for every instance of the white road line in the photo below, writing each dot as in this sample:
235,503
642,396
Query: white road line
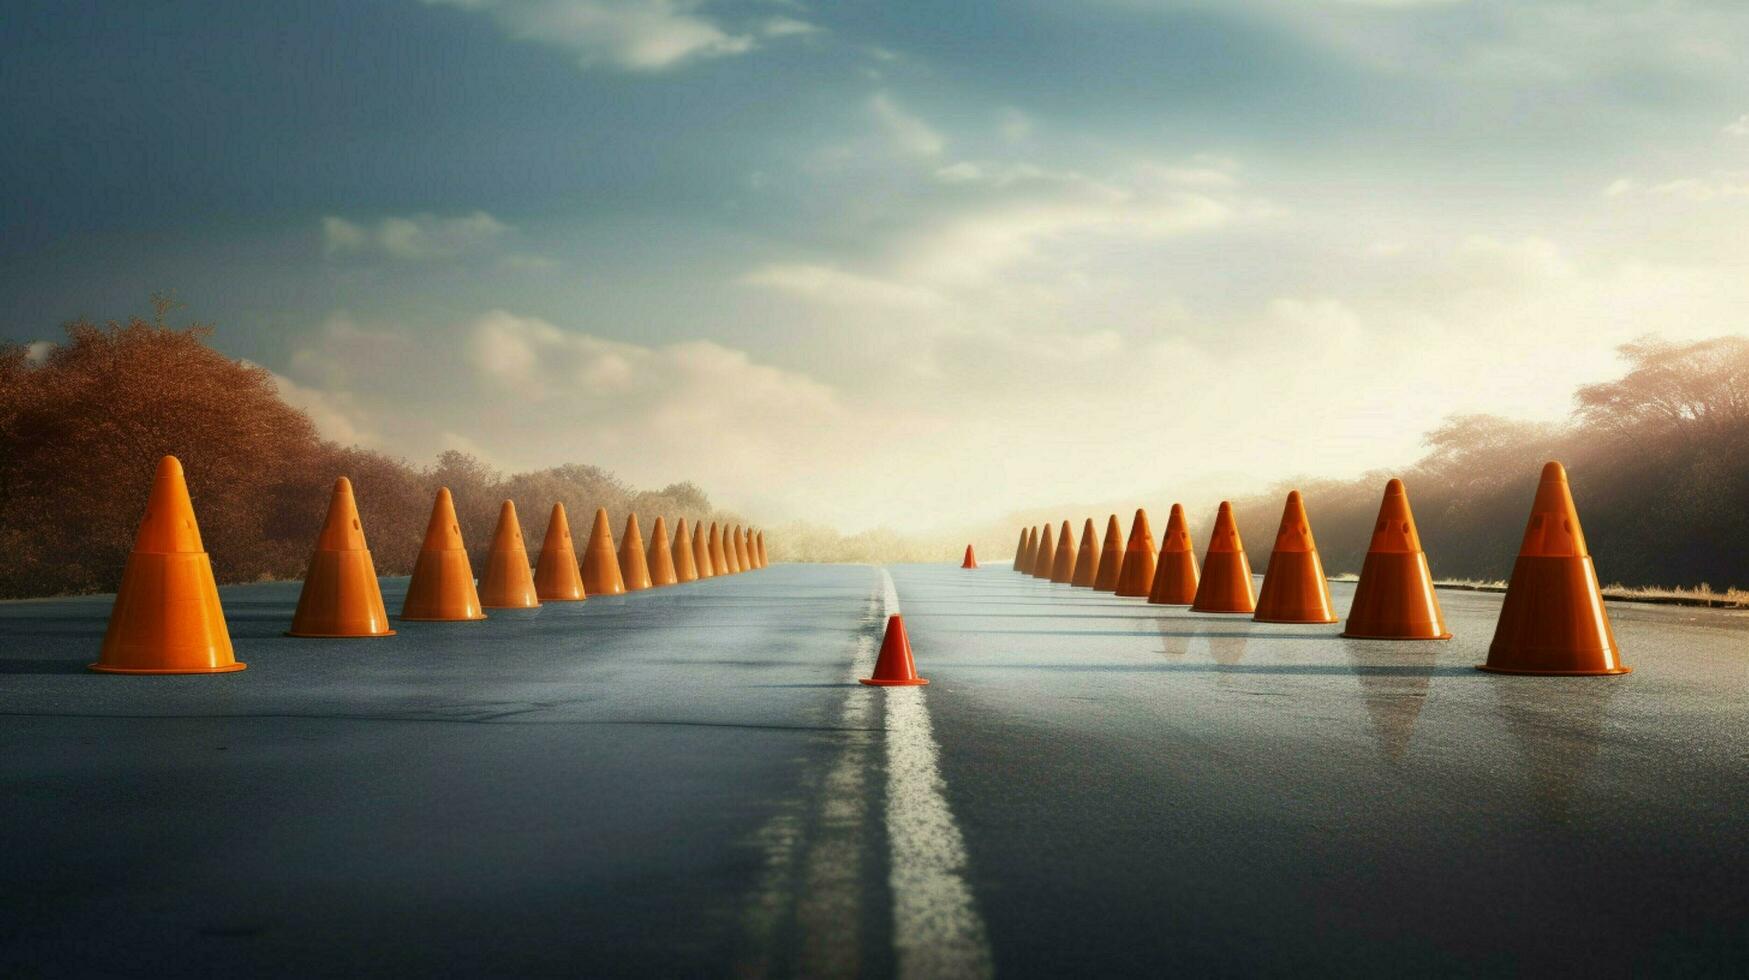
937,931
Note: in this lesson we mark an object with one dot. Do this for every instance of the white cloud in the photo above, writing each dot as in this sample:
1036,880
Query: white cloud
908,132
37,351
418,237
635,35
1738,128
1720,185
334,416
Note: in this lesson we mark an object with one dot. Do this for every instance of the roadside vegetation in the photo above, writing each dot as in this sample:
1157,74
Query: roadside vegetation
82,426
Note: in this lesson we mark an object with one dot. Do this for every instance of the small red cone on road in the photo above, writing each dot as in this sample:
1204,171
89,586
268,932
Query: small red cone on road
1552,620
1137,574
1294,588
1087,559
1110,557
895,667
1175,574
1394,599
971,560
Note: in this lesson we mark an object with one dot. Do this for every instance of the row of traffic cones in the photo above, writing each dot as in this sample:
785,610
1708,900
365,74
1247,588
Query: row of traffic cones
167,618
1552,620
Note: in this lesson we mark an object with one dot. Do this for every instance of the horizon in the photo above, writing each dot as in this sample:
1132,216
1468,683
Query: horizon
892,268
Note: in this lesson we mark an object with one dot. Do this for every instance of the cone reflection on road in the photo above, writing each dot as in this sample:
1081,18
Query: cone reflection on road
556,578
681,556
660,556
1047,554
1225,586
442,586
508,583
601,574
1063,567
1087,559
1110,557
971,560
341,597
1175,570
1552,620
1137,574
167,618
895,667
1294,588
1394,599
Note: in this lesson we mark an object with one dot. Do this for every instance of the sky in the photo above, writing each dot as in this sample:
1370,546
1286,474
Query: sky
868,263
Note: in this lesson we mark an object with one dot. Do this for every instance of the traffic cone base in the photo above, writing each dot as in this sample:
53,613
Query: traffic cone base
341,599
1552,621
1295,590
1225,586
167,619
895,667
1549,604
1394,600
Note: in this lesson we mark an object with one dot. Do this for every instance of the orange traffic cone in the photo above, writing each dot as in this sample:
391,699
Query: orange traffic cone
680,555
1063,567
1046,559
895,668
634,568
341,597
166,618
742,555
1552,620
971,560
1020,550
731,560
719,557
508,584
1226,572
764,559
1087,559
1137,574
601,574
1294,587
1394,599
556,578
442,587
701,552
1175,575
1110,557
661,556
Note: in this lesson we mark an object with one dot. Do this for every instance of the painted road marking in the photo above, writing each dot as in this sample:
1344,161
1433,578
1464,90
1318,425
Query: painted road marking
937,931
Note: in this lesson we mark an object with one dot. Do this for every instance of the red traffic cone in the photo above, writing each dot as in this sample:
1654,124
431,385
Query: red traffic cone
341,597
1175,574
1046,558
971,560
1137,574
895,667
1063,567
167,618
1394,599
1294,587
1087,559
1226,572
1110,557
1552,620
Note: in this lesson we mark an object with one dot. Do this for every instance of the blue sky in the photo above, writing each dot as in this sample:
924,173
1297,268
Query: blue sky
903,263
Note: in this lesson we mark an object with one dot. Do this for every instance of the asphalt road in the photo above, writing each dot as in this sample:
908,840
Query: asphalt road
688,782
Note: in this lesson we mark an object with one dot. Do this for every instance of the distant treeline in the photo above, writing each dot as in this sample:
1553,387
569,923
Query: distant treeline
82,427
